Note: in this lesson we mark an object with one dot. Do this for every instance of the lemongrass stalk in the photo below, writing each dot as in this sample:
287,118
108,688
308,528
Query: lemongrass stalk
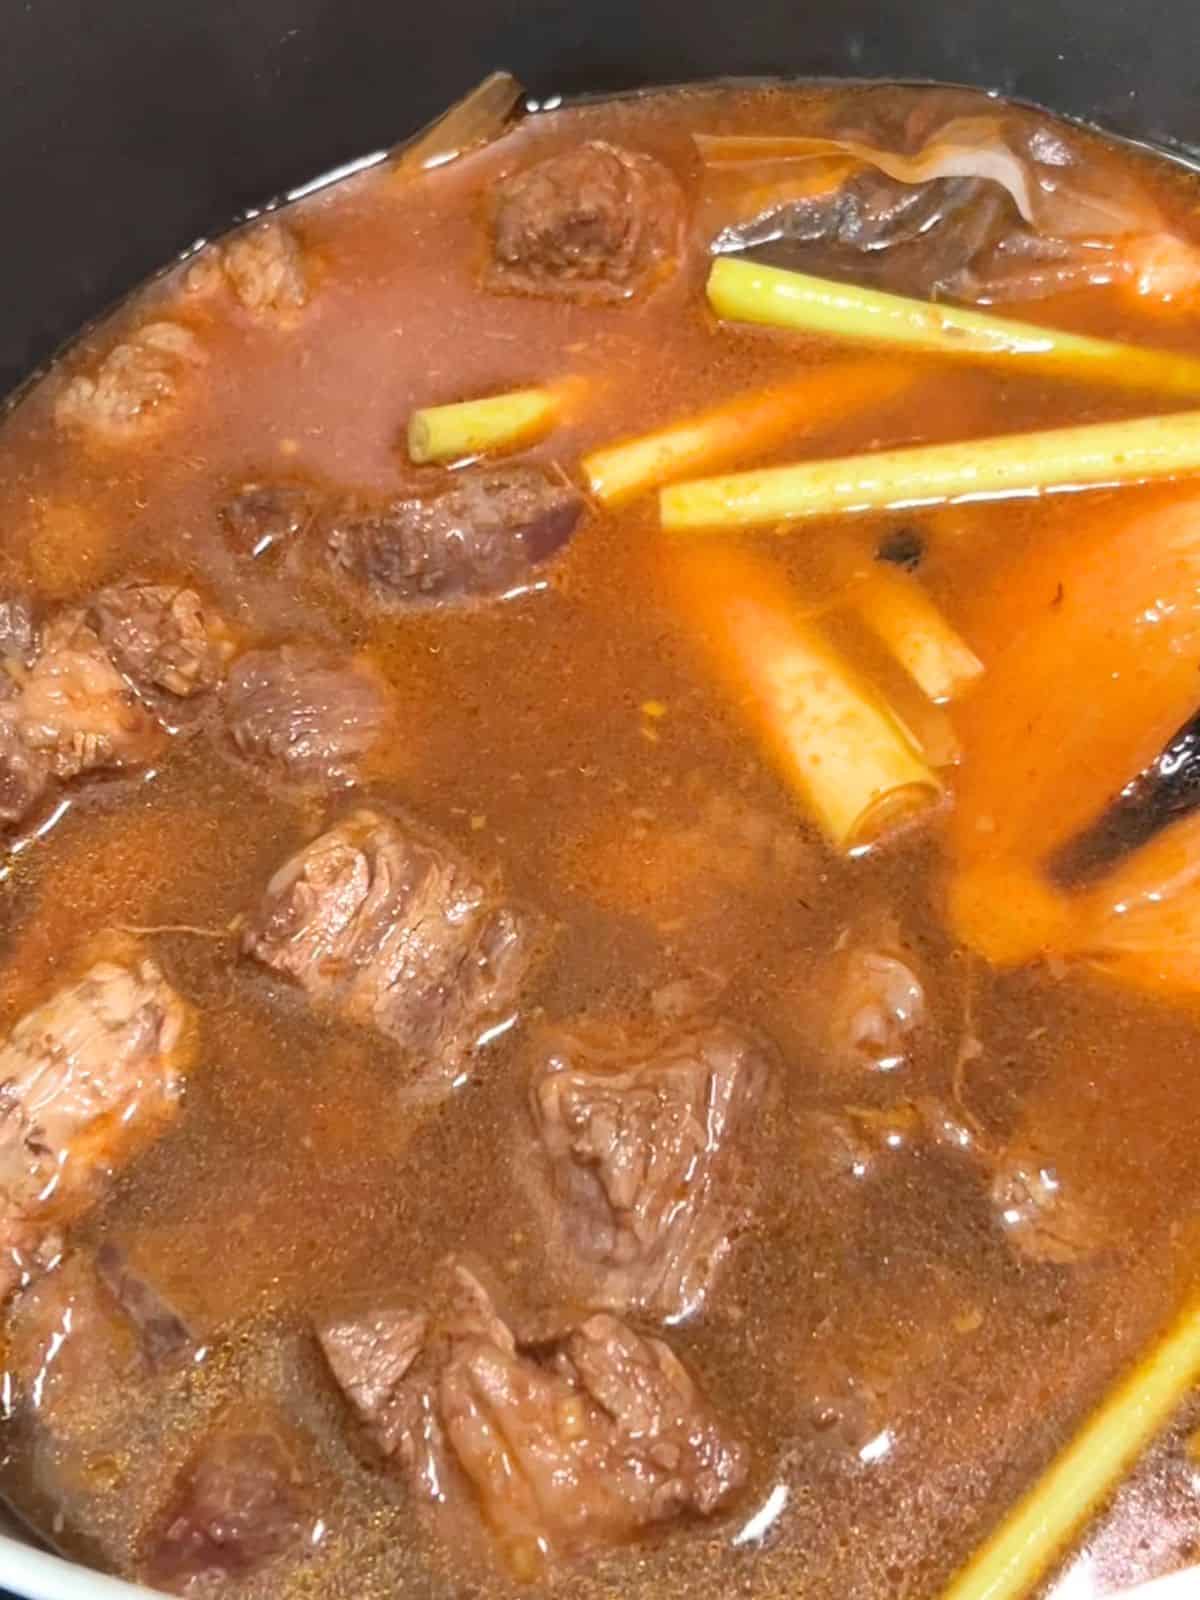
1051,462
907,623
744,291
832,737
1083,1476
747,423
475,427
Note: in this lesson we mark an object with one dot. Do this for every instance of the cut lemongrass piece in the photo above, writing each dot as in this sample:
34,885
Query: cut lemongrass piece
477,427
745,291
1056,461
832,737
741,426
907,623
1083,1476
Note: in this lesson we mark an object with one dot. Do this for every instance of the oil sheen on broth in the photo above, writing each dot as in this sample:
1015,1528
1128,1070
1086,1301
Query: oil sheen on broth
890,1337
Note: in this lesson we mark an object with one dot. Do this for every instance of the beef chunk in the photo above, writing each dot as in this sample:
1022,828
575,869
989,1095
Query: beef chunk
162,637
391,927
585,1439
370,1354
138,381
24,773
301,715
265,516
162,1334
85,1078
485,533
385,1359
593,223
609,1438
69,712
647,1145
265,267
239,1503
94,688
76,709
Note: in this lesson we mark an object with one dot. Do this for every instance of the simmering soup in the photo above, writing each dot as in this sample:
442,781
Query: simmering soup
601,898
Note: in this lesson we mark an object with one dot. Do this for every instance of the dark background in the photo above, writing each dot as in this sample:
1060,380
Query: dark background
130,127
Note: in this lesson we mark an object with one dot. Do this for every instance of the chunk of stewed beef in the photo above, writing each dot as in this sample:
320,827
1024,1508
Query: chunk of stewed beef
162,1335
389,926
98,685
648,1144
486,531
370,1353
71,711
265,267
595,222
24,773
237,1505
385,1358
162,638
85,1079
585,1439
137,382
301,715
606,1438
267,516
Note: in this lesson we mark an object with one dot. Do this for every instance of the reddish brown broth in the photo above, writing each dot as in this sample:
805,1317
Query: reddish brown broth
299,1171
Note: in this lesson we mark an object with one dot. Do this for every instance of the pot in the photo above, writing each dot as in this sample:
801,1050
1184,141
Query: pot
134,129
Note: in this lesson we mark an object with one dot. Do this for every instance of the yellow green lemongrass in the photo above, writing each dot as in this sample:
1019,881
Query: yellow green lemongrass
853,763
741,426
1057,460
745,291
478,427
1085,1473
910,626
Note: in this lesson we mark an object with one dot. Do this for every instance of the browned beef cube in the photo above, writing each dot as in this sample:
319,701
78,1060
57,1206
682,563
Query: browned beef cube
301,715
265,267
137,383
75,709
592,223
81,693
584,1440
95,688
85,1079
237,1505
69,714
266,516
370,1353
486,532
648,1146
391,927
162,637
